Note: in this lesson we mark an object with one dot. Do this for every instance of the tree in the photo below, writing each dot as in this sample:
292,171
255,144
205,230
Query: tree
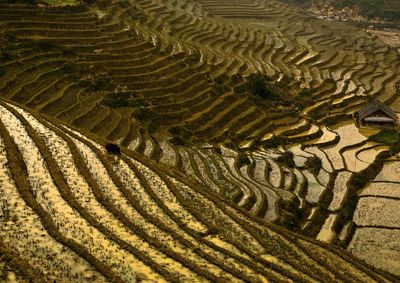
257,84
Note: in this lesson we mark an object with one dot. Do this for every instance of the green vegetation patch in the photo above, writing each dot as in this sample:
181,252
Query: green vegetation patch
116,101
385,137
260,87
263,92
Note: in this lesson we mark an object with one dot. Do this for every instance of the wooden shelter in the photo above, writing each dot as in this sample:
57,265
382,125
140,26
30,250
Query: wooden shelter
376,115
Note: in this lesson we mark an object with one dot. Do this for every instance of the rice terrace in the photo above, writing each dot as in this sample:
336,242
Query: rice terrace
199,141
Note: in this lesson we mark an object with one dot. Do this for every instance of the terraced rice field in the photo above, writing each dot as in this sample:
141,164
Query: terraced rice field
168,59
160,79
377,220
71,212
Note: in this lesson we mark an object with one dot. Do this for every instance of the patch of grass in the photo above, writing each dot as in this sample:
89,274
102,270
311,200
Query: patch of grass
385,137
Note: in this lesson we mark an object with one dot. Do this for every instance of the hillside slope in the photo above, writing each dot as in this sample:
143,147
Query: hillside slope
169,80
72,212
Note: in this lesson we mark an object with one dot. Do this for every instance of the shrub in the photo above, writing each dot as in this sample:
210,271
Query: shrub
194,58
96,84
220,89
217,150
385,137
220,84
177,141
44,45
116,101
359,180
102,84
236,78
287,159
273,142
263,92
174,131
73,70
221,79
113,149
144,115
243,160
69,68
257,85
68,51
314,164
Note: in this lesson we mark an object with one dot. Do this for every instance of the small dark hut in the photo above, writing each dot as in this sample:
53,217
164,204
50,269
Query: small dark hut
376,115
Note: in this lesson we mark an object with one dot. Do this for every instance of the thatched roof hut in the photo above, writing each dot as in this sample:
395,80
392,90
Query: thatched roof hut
377,115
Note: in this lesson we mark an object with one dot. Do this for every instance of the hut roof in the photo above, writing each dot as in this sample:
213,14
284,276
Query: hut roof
373,107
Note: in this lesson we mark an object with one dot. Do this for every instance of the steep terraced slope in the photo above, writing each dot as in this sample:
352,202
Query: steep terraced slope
162,79
89,64
100,70
72,212
174,66
278,40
